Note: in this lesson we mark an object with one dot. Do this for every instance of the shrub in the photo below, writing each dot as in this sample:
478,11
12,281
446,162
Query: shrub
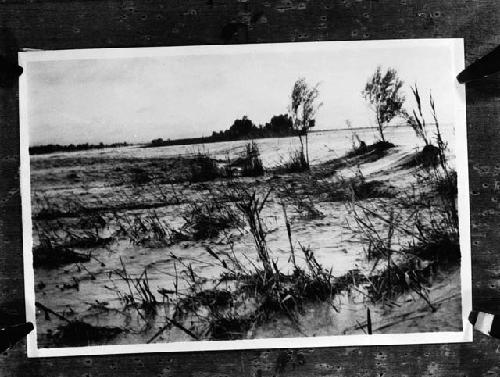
447,189
358,188
227,169
303,203
260,291
377,149
439,247
228,326
55,256
78,333
207,218
139,293
307,210
251,207
52,252
140,176
251,161
212,298
428,158
296,164
203,168
148,230
88,240
434,242
363,189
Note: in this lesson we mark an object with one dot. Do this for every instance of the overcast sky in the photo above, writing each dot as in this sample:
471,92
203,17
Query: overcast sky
139,99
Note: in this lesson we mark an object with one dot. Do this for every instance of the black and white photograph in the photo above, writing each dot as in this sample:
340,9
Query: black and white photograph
247,196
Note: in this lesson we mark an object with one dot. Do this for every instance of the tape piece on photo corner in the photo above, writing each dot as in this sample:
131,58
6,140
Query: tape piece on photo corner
482,67
12,334
486,323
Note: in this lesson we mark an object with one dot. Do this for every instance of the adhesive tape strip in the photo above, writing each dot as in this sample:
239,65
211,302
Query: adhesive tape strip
486,323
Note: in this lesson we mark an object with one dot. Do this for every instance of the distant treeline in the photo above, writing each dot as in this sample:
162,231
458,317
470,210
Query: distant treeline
241,129
52,148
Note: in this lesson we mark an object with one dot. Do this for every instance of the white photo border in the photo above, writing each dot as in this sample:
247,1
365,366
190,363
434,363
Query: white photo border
457,65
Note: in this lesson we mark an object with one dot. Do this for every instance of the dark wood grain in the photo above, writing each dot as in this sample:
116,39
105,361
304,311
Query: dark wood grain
62,24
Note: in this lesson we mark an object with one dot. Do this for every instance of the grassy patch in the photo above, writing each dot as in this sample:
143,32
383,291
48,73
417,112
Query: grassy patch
360,155
139,294
56,242
229,326
358,188
211,298
307,210
414,215
287,294
427,158
140,176
207,218
296,163
251,161
74,333
440,248
89,241
203,168
148,229
446,185
377,150
302,201
78,333
55,256
260,291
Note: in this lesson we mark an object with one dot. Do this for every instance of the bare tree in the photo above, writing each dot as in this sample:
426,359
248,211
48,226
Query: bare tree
382,91
302,110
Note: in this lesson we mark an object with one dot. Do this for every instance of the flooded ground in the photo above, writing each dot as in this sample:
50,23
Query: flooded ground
128,210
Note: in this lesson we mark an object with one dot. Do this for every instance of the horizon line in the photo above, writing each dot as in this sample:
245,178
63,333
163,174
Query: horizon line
130,143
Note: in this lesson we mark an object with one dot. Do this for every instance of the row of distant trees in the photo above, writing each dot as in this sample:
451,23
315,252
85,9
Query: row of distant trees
383,92
299,120
241,129
279,126
52,148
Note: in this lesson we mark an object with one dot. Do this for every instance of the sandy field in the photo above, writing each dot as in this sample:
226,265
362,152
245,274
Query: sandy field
133,246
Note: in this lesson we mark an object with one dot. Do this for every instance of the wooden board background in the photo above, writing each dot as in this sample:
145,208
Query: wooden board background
62,24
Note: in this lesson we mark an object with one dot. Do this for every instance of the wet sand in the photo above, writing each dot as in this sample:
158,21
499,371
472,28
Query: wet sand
71,191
